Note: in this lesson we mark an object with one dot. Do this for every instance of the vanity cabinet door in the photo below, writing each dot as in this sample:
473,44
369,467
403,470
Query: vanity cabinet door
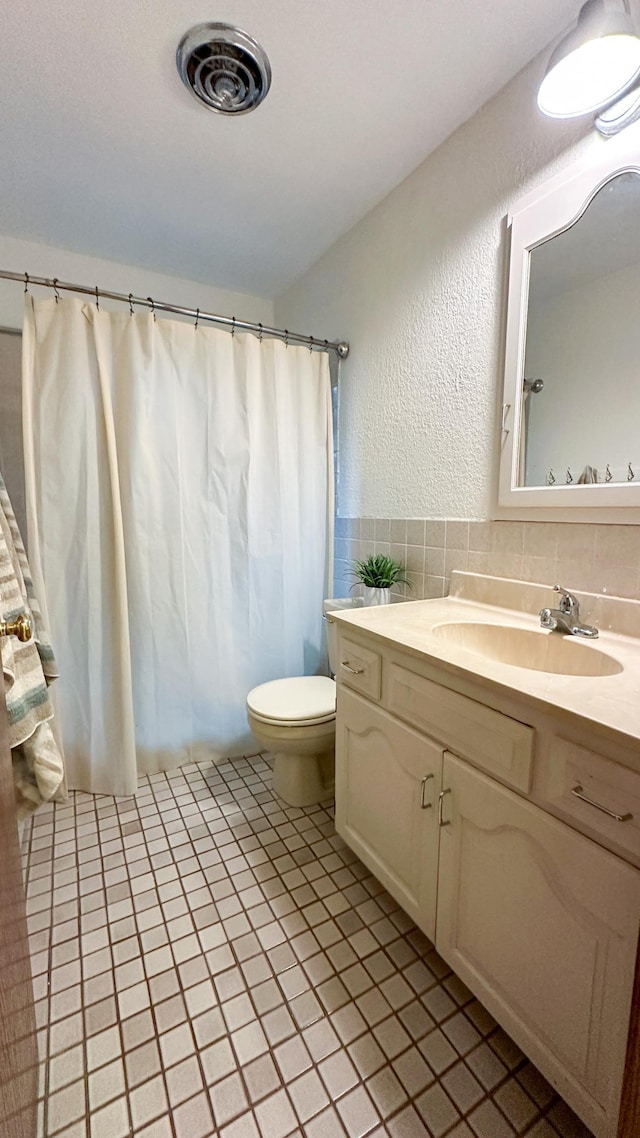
388,779
542,924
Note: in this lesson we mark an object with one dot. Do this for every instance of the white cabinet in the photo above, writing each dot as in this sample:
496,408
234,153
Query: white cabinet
540,921
388,778
542,924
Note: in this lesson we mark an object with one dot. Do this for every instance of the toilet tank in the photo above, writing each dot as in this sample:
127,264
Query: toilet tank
332,604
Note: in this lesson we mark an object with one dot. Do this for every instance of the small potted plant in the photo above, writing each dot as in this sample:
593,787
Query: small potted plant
378,573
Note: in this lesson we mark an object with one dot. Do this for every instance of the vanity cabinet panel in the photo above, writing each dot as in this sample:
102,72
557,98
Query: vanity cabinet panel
388,778
568,771
491,740
542,924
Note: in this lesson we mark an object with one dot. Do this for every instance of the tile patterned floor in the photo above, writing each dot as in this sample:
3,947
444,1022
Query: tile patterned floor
208,961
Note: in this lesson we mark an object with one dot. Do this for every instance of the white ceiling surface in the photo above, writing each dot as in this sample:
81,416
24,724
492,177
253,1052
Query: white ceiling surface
105,152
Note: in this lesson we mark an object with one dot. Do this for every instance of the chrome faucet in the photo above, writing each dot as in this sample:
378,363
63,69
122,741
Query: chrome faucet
566,618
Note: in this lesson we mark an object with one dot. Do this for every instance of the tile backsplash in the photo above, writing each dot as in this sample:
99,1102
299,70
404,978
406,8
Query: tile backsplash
593,558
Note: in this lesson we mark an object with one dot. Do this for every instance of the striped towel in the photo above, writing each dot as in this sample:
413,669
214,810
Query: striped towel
28,669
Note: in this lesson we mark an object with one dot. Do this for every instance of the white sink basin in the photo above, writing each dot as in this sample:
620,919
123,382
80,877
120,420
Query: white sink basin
526,648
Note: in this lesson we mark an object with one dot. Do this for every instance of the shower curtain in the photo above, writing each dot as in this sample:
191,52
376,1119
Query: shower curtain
179,503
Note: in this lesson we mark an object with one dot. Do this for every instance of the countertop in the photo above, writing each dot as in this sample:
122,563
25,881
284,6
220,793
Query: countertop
610,702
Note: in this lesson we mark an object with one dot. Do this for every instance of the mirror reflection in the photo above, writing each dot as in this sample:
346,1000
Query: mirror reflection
581,382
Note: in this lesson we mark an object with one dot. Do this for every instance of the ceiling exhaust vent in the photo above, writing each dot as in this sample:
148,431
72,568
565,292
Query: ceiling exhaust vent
224,68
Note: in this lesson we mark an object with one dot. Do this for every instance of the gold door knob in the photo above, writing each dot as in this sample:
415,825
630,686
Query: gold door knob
20,627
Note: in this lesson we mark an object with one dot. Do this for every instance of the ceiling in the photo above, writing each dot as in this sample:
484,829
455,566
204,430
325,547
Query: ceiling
105,152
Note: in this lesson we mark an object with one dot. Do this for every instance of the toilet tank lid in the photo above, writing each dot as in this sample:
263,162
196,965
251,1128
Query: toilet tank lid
333,604
295,699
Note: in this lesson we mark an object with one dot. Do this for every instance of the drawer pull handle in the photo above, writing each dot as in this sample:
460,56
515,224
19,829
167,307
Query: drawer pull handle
354,671
440,799
577,792
425,805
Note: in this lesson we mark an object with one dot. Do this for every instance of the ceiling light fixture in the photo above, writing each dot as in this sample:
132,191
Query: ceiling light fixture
620,114
594,65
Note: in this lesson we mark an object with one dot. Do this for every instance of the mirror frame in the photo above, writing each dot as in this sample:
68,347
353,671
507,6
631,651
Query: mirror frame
553,208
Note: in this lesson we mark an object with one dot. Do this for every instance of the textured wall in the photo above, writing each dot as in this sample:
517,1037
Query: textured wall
417,287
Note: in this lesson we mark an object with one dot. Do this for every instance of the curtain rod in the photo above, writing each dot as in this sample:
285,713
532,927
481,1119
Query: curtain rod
341,347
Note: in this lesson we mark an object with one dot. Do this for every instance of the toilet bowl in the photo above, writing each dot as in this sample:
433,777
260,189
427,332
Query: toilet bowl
295,719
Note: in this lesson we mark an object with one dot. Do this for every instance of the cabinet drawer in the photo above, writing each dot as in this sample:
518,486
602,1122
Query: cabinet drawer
359,668
570,771
494,742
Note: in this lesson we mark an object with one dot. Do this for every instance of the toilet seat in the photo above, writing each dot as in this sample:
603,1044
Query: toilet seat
297,701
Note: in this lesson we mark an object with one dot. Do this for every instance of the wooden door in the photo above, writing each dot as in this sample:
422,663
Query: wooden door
542,924
18,1048
387,785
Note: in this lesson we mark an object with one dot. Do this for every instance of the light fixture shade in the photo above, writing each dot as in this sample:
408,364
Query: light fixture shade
592,66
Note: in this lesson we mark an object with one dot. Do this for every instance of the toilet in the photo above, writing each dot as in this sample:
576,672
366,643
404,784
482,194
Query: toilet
295,719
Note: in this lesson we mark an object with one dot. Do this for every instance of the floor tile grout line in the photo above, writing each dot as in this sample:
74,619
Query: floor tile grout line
197,1050
153,1016
87,1073
47,1058
128,1088
179,799
82,1000
50,975
361,1082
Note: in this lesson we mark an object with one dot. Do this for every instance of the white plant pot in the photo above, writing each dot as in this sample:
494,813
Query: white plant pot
376,596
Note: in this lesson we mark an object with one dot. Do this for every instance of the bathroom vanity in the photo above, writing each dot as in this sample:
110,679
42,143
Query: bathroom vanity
488,773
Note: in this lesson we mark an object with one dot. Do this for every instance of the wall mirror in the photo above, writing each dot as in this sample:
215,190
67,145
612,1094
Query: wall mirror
570,416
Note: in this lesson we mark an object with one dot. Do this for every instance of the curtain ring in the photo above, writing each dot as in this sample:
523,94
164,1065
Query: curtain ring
630,474
55,289
311,343
26,282
233,326
608,476
326,345
286,337
97,299
130,304
260,333
153,308
197,319
569,478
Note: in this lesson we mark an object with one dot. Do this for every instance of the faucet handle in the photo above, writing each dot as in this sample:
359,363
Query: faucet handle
546,619
568,603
